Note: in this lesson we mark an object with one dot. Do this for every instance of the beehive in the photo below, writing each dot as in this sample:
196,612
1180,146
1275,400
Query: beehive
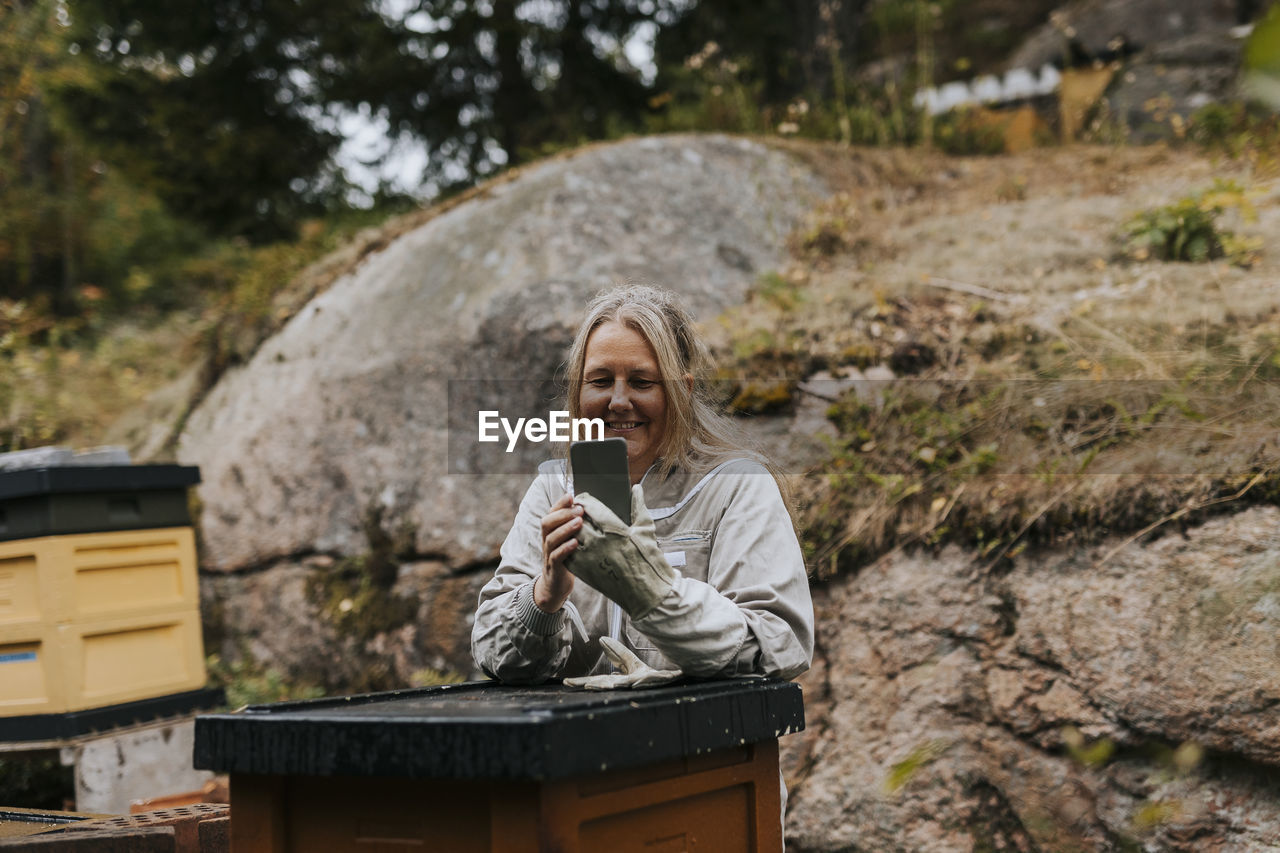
508,769
98,619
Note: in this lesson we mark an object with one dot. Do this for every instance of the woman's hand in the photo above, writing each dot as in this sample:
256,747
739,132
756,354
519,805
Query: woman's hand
560,526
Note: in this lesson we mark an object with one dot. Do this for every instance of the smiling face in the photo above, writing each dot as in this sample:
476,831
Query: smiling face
622,385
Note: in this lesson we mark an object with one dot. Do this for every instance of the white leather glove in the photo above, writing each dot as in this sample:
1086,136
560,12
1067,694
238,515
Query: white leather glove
635,672
623,563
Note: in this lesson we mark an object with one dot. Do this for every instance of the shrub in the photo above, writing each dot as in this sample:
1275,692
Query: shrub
970,131
1188,229
248,682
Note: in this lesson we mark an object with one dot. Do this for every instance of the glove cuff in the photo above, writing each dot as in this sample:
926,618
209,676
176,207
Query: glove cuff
533,617
646,607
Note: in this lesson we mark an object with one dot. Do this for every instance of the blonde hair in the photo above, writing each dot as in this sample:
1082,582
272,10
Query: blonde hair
696,437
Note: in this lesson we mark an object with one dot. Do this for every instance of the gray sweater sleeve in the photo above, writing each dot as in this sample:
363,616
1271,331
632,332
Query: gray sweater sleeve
512,640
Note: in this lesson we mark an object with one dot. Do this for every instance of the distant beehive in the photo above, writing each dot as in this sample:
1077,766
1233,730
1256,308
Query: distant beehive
99,603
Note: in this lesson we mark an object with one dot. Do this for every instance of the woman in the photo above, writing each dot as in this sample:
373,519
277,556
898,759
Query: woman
728,595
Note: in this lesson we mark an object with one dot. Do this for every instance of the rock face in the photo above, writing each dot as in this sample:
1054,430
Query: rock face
1177,56
1095,25
1060,705
290,617
1175,79
344,415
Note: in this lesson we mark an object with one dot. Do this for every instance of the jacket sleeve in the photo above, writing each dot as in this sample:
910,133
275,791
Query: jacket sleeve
754,614
512,640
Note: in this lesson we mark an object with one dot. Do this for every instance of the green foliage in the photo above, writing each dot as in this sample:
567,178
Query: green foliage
428,677
1188,229
779,292
1262,59
102,204
766,348
506,77
749,344
244,283
1214,125
711,90
29,372
793,68
76,235
228,136
960,48
1093,754
775,67
242,103
36,781
932,428
248,682
1181,231
1155,813
794,49
1238,130
357,593
357,602
62,379
761,397
968,131
136,253
902,772
42,174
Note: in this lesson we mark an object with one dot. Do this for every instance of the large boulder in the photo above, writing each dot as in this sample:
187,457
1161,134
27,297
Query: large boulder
340,428
1095,700
1159,91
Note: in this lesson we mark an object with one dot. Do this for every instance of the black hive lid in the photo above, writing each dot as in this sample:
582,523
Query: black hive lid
485,730
26,482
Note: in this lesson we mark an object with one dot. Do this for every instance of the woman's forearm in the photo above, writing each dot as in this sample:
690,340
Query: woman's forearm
516,642
707,634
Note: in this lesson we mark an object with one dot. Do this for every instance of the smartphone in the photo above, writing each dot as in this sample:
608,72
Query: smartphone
600,467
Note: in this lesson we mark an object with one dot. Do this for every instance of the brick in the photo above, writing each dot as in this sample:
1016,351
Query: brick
135,839
185,821
215,835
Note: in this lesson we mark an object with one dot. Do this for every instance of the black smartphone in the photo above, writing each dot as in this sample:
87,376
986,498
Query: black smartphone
600,467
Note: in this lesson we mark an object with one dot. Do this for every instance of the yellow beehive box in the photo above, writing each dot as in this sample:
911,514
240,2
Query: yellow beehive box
126,659
24,599
98,619
31,671
54,669
59,579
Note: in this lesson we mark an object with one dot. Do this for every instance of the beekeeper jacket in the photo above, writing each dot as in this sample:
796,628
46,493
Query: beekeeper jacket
740,603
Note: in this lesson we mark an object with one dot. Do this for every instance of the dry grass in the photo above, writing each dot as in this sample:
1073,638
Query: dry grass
1050,389
56,393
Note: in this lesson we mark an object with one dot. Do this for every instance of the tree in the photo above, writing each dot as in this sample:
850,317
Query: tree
41,181
227,113
503,79
218,111
792,46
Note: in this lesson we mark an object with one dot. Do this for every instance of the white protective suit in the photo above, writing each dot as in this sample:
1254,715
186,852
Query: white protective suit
740,603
